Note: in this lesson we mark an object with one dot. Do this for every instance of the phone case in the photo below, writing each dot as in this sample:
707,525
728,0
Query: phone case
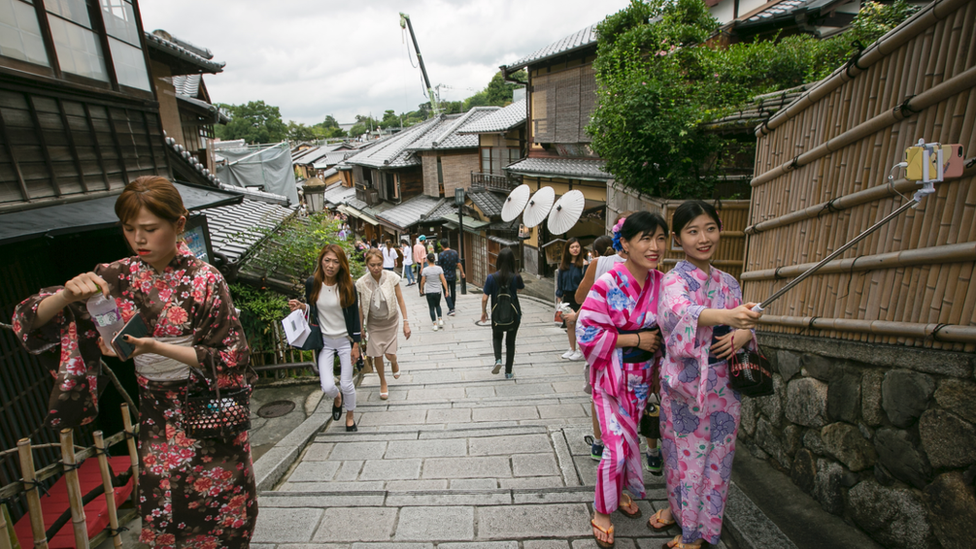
135,327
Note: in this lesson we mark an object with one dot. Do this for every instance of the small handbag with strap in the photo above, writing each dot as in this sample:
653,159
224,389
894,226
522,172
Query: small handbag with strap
212,413
750,373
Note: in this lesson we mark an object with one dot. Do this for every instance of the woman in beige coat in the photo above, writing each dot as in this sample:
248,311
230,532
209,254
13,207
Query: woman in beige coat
380,306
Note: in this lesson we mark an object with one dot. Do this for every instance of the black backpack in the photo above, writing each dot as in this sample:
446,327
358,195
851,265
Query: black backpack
504,314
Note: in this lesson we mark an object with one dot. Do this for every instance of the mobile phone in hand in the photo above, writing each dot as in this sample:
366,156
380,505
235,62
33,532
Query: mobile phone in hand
135,327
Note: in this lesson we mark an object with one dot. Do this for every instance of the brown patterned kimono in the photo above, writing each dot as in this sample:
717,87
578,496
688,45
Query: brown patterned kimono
193,493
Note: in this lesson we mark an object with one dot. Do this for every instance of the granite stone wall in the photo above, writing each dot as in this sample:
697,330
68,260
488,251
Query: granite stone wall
884,437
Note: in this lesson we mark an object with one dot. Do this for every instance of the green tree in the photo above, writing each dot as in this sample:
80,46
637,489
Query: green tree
254,122
300,132
390,120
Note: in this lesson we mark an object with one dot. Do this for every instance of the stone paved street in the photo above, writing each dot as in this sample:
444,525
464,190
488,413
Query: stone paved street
457,457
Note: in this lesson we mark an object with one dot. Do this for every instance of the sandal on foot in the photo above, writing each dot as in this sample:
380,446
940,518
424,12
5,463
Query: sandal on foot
630,502
676,544
607,531
396,371
656,517
384,396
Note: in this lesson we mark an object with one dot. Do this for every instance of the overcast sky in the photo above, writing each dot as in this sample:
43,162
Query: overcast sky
317,57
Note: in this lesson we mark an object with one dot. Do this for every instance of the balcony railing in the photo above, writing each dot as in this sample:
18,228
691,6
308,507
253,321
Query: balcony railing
504,183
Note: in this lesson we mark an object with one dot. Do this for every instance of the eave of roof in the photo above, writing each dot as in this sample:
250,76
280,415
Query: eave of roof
581,39
162,45
569,168
501,120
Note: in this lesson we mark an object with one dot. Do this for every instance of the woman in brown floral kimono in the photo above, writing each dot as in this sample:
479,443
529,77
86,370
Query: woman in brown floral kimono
193,493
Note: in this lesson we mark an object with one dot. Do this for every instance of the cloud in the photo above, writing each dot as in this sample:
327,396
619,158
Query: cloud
312,58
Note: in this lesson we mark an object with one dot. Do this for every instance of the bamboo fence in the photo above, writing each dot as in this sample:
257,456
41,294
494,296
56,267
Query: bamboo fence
821,178
31,483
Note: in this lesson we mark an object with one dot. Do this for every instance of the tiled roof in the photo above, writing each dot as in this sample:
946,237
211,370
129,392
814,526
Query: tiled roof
446,134
391,152
254,194
757,110
187,84
331,158
446,207
213,111
337,194
231,226
410,211
501,120
192,162
786,10
356,203
573,168
161,44
490,203
575,41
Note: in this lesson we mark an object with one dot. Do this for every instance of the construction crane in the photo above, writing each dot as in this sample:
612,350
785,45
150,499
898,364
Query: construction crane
406,24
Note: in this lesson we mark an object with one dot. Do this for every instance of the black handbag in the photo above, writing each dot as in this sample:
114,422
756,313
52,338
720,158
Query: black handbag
650,422
314,340
632,355
751,374
212,413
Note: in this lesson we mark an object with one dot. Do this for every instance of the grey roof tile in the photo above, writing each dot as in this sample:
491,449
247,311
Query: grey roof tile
187,84
231,226
410,211
391,152
447,135
575,41
446,207
337,194
161,44
573,168
332,158
490,203
501,120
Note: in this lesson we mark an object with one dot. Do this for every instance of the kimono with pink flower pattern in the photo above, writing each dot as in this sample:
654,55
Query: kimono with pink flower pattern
617,303
699,412
193,493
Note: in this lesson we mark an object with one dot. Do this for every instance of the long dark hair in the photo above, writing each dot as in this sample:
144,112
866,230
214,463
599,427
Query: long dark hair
505,267
689,210
347,293
568,257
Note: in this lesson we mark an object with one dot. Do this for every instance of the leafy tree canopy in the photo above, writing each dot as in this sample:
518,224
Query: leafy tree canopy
658,83
254,122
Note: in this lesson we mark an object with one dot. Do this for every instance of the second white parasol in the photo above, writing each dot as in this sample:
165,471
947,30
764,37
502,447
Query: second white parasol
538,207
566,212
515,202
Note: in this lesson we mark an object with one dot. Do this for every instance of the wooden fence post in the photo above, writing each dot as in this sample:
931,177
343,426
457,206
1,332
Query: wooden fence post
130,438
75,497
33,498
101,450
5,532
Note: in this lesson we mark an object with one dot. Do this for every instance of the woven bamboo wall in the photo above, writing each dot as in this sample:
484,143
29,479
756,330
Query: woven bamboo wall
821,179
734,215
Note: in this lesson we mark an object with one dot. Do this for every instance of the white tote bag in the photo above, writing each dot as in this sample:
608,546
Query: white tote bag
296,328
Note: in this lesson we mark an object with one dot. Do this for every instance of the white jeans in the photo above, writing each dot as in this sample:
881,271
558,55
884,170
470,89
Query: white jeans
343,347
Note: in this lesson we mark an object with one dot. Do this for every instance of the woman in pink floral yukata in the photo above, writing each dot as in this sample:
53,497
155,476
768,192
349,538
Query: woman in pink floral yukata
617,332
193,493
699,412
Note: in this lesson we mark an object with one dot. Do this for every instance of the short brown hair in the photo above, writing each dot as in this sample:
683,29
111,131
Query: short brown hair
154,193
371,253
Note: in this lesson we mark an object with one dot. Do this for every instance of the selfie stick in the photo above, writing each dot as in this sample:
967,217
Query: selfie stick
928,187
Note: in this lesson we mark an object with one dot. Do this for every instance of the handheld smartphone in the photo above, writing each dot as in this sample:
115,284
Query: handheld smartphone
952,163
135,327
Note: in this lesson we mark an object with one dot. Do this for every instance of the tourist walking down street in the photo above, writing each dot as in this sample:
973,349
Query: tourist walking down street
420,259
432,281
330,301
196,340
390,255
449,261
568,278
407,251
502,287
379,299
618,334
699,411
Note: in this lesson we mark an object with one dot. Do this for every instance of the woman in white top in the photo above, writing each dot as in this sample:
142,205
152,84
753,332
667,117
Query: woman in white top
389,256
407,252
331,302
379,297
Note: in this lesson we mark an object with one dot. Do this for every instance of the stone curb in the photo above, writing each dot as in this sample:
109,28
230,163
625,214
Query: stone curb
273,465
748,527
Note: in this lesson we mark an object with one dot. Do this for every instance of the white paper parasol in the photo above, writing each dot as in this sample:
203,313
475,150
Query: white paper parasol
515,203
566,212
538,207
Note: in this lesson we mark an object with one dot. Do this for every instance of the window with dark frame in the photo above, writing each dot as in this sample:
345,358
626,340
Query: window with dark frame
74,27
494,159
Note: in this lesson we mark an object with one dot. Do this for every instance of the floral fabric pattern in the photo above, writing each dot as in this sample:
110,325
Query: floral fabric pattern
193,493
699,412
620,390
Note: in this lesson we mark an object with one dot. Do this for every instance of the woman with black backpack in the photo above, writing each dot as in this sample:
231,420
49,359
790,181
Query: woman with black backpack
502,286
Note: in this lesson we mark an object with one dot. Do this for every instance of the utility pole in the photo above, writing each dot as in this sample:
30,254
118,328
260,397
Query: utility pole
406,24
